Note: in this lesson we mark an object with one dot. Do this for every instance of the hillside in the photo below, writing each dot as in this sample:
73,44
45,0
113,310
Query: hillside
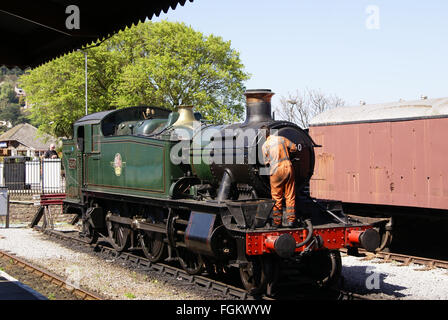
11,112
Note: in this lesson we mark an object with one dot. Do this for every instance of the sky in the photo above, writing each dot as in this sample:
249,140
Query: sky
375,51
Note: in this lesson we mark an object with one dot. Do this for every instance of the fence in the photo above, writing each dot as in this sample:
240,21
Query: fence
32,177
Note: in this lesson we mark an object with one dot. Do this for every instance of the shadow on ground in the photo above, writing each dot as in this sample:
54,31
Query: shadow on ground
366,280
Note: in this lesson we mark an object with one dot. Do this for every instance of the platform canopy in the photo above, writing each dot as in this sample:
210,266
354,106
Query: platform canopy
34,32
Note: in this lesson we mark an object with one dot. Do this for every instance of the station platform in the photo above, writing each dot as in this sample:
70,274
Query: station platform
12,289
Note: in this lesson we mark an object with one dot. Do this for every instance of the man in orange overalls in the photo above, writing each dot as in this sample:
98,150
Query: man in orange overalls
282,179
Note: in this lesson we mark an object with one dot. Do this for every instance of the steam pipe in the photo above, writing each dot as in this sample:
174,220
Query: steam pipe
309,236
225,187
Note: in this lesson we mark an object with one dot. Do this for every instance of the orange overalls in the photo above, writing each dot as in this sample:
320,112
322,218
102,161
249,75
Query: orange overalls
275,151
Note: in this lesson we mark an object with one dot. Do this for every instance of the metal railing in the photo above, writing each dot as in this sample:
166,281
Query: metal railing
33,177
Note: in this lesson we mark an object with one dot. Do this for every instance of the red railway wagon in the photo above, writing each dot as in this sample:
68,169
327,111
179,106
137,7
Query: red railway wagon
384,160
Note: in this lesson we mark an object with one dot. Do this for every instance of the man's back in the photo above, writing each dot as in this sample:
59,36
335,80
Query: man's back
275,150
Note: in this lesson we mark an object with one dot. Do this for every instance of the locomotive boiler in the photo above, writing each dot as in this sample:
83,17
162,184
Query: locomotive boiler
181,189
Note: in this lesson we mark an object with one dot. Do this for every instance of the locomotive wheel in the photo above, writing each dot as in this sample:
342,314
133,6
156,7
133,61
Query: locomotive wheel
88,232
191,262
254,275
119,235
325,267
152,245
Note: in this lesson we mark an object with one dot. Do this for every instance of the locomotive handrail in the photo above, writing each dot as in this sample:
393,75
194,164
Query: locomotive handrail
328,211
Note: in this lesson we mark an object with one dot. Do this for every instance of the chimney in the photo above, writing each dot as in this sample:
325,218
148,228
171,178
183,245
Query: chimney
258,105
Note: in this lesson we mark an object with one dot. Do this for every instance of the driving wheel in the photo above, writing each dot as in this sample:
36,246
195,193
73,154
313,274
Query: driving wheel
119,235
152,245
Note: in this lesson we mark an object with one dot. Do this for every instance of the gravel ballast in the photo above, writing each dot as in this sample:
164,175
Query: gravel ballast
390,280
371,277
92,273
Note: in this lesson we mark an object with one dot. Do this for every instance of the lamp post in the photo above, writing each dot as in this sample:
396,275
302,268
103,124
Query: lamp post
85,67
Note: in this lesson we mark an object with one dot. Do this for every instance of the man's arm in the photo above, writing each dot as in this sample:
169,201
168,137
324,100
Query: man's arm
291,146
265,154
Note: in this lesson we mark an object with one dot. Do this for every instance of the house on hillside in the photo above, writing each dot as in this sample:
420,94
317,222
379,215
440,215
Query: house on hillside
21,94
23,140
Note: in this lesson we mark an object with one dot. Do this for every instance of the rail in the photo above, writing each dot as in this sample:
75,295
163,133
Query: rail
405,259
49,276
225,289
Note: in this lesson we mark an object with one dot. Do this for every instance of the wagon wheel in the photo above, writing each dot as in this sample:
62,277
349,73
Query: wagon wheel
254,275
152,245
119,235
386,240
191,262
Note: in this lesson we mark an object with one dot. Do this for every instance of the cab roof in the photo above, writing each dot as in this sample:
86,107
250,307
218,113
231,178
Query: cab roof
120,115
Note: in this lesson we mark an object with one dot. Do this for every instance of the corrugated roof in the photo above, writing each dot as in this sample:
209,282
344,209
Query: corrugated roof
27,135
35,32
393,111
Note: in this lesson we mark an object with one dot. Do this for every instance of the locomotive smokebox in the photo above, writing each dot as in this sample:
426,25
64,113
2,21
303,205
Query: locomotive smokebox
258,107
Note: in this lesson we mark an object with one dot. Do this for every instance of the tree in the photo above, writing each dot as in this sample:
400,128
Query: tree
301,107
7,93
12,113
10,110
164,64
9,74
55,90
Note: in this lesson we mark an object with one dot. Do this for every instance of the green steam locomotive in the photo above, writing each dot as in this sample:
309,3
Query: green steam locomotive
181,189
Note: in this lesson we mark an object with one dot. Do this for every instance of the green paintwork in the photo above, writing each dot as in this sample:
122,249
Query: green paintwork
144,169
148,126
69,161
129,160
201,145
124,164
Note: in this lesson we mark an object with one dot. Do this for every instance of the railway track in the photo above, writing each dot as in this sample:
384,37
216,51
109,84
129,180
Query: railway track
404,259
46,275
144,264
